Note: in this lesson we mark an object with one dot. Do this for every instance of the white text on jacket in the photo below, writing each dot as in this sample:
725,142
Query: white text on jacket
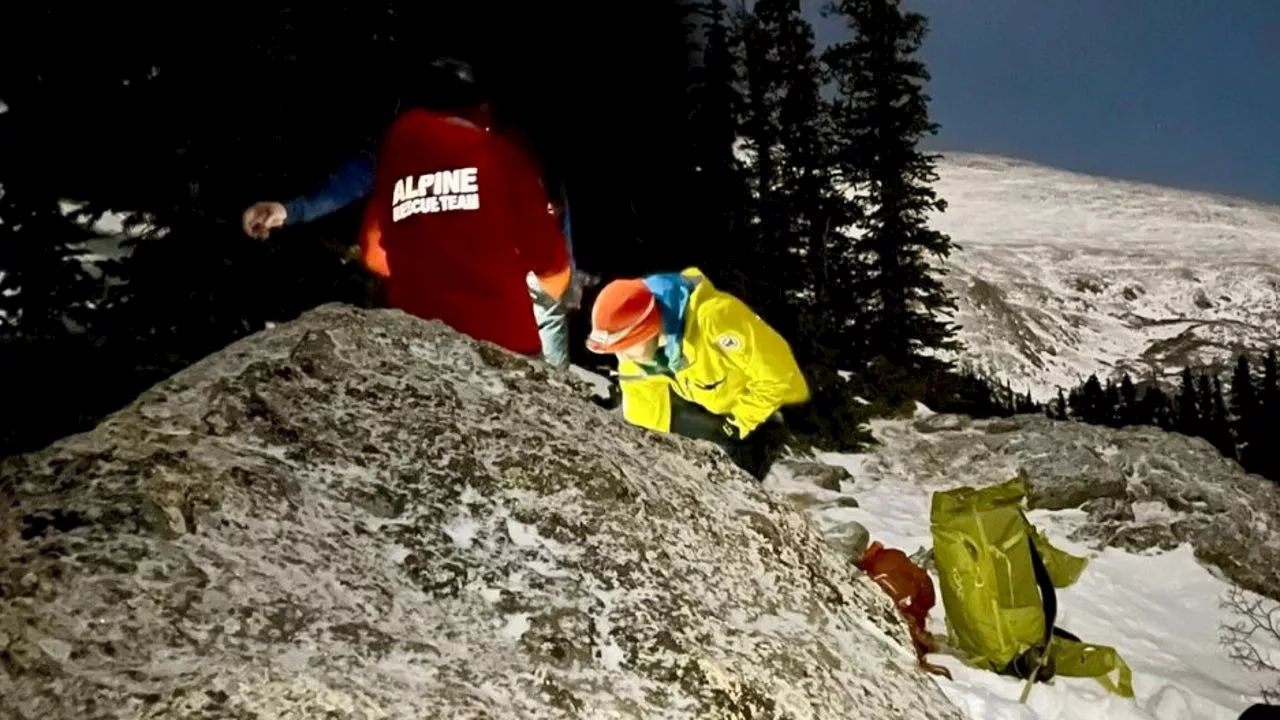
443,191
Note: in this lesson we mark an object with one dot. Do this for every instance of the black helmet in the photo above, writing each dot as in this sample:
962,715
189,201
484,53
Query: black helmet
455,69
445,84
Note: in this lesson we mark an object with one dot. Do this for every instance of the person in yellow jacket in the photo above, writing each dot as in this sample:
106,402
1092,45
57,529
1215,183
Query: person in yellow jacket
697,361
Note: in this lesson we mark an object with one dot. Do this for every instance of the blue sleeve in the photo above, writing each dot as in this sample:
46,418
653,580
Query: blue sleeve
566,226
350,183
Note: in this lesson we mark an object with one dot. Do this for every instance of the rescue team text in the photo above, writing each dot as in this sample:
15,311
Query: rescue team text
443,191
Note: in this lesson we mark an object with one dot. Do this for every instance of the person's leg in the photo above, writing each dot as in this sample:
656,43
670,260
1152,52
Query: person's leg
553,328
758,451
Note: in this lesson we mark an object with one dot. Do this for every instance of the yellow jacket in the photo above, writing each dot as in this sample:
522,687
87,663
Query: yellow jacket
731,363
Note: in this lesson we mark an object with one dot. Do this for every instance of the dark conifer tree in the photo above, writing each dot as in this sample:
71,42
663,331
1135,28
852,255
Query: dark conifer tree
1268,459
782,251
1269,391
1075,403
880,115
1112,412
1244,409
1058,409
793,187
1188,420
1127,413
1154,408
1095,409
1219,424
758,30
1026,403
1204,401
46,293
716,106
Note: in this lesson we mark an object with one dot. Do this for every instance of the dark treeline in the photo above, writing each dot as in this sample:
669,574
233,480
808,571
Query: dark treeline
687,133
1240,417
975,395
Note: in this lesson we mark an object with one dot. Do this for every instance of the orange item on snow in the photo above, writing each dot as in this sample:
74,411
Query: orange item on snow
912,591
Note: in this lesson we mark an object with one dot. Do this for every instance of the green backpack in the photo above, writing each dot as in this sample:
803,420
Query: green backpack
997,576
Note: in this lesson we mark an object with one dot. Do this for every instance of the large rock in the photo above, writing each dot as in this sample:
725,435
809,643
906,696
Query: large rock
827,477
363,515
1144,489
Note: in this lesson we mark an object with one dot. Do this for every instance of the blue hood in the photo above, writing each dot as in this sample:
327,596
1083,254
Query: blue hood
672,291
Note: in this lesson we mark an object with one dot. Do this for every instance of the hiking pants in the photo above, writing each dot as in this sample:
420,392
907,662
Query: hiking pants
553,328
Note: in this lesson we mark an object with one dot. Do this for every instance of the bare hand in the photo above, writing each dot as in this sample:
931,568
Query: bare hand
261,218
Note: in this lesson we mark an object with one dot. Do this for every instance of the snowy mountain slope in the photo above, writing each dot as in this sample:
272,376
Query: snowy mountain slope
1159,610
1061,274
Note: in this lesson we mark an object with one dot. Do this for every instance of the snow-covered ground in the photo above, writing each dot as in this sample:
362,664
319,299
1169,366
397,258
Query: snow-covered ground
1161,611
1061,274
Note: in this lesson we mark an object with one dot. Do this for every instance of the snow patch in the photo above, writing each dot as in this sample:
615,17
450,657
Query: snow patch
462,530
601,385
517,624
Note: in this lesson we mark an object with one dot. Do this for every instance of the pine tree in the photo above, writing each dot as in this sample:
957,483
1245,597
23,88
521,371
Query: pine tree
1244,409
1219,423
716,106
1026,403
1127,413
1267,460
784,249
793,186
1095,409
759,30
1188,420
46,292
881,115
1204,401
1075,403
51,319
1153,409
1111,412
1269,391
1059,407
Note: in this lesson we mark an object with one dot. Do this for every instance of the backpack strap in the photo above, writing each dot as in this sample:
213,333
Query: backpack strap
1035,664
1065,654
1048,595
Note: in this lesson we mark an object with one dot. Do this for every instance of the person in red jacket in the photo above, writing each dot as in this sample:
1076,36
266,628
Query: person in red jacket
460,214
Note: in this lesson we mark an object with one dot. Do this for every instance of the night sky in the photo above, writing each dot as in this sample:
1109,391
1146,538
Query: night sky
1176,92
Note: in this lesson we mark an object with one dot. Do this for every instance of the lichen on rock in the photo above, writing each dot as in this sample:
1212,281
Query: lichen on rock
364,515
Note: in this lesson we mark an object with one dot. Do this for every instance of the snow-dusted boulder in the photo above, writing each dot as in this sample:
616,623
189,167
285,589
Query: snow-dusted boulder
362,515
1142,488
827,477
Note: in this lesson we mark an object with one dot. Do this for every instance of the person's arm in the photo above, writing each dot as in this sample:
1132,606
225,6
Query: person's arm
774,379
646,402
566,227
538,238
372,254
349,183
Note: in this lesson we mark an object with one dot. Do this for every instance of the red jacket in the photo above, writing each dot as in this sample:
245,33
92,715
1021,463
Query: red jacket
461,215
